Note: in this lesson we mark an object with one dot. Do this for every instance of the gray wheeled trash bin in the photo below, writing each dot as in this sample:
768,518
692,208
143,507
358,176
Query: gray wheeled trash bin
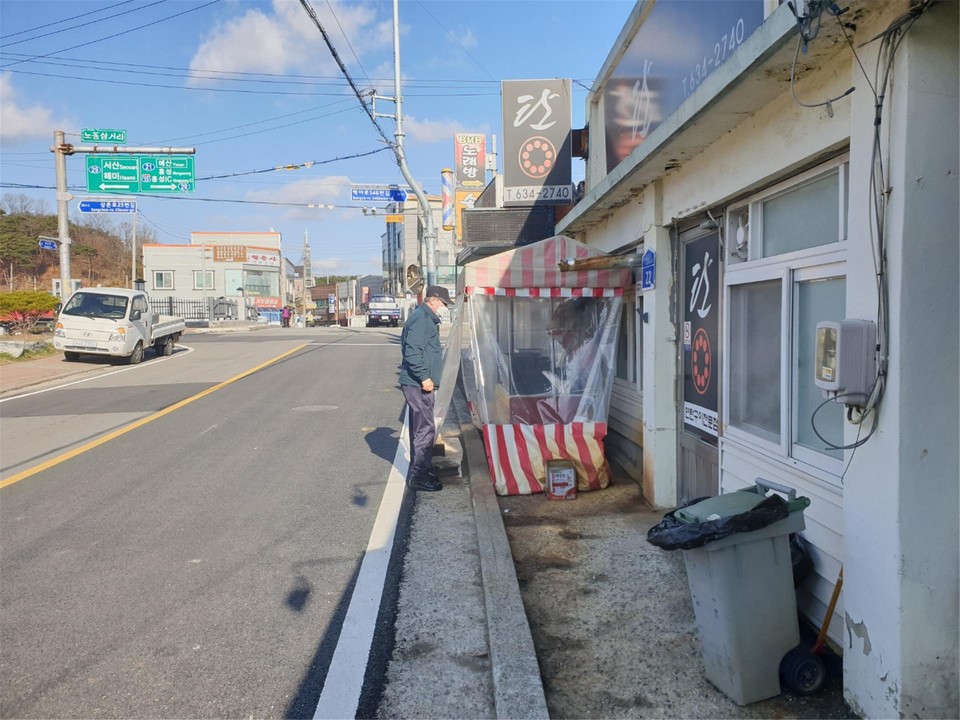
743,594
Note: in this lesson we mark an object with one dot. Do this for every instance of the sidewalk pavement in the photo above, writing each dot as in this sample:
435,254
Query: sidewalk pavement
526,608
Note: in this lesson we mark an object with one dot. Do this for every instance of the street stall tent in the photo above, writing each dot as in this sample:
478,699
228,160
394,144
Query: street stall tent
539,353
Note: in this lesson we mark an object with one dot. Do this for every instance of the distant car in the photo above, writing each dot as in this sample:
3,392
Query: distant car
383,310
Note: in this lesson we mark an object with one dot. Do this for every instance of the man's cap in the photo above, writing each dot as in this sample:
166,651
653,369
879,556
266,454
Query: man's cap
439,292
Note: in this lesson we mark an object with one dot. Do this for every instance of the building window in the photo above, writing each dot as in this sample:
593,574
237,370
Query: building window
787,272
630,344
163,279
197,275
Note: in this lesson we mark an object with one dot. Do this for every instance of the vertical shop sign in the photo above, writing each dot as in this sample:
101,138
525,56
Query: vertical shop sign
469,153
536,142
700,335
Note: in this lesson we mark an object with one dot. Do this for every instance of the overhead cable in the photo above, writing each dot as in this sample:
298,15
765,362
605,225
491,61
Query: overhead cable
114,35
343,69
60,22
89,22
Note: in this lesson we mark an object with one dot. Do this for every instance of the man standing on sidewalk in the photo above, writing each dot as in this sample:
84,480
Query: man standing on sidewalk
419,379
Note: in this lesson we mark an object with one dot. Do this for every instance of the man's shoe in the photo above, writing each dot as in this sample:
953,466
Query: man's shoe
425,485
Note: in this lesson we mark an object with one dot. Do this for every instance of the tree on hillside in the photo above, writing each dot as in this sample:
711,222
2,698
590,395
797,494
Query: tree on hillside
20,204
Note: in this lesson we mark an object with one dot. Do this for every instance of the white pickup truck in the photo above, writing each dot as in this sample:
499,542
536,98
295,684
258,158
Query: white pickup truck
116,322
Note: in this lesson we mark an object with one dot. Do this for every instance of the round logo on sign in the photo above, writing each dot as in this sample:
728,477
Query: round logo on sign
702,361
537,157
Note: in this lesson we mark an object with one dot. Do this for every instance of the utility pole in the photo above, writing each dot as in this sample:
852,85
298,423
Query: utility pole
63,218
430,234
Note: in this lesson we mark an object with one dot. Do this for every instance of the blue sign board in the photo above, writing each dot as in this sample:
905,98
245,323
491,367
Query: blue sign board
648,270
371,194
48,245
108,206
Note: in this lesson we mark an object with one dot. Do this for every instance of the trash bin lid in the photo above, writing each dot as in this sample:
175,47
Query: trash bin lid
720,506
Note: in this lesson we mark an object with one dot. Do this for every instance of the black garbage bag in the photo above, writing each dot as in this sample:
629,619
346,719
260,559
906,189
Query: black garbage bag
673,534
799,559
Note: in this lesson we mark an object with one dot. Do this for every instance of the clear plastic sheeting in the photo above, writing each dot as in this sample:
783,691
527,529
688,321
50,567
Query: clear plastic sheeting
540,360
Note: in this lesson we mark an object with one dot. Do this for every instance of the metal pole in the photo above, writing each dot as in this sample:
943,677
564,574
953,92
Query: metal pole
203,282
133,254
429,235
63,218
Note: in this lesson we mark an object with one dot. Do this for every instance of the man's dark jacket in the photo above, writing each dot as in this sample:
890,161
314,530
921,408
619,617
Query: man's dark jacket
420,344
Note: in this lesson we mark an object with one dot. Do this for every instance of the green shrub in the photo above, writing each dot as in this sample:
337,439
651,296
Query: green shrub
22,310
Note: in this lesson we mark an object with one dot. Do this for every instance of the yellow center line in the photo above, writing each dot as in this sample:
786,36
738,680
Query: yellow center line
139,423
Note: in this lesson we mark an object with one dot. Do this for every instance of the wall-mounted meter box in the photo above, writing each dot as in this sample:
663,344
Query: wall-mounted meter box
845,363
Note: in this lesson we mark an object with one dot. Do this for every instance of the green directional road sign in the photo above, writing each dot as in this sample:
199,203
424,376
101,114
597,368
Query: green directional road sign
103,135
140,173
113,173
166,173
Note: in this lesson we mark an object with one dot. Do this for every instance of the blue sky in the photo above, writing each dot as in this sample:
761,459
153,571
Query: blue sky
252,85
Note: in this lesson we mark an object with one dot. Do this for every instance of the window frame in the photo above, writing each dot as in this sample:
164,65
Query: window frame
791,268
167,273
208,273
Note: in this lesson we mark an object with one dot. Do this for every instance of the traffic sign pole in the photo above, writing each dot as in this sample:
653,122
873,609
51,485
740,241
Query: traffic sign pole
60,150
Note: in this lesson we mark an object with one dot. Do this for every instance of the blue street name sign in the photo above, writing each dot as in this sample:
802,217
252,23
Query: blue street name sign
377,194
108,206
48,245
648,270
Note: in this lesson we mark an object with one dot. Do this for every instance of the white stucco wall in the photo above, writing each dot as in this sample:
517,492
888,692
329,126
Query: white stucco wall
901,504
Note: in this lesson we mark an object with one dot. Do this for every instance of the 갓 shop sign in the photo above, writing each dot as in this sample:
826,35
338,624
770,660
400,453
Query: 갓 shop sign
536,142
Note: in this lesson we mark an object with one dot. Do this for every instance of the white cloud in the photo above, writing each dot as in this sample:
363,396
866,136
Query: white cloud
434,131
467,38
19,121
329,190
286,39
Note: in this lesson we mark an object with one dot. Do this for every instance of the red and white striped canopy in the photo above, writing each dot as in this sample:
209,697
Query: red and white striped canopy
535,267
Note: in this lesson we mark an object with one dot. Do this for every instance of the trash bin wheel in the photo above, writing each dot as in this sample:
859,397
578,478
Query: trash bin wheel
803,672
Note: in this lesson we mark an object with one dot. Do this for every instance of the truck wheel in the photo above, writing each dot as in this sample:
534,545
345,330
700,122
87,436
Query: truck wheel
137,355
71,356
396,323
164,347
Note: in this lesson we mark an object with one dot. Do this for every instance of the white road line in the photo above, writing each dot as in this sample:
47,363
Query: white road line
182,349
344,681
343,344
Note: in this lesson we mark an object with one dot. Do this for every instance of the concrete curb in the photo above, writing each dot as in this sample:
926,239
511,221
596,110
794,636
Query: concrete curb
517,685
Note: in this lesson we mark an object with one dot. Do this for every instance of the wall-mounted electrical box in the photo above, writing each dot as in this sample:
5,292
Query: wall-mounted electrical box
845,363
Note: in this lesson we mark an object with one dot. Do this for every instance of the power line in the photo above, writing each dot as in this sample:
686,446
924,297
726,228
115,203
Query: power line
343,69
89,22
59,22
250,124
277,127
295,166
349,45
92,63
226,90
454,38
114,35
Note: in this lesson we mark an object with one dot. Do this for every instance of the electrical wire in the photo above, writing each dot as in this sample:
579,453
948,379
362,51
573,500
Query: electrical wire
343,69
60,22
454,38
170,141
349,45
114,35
89,22
295,166
97,64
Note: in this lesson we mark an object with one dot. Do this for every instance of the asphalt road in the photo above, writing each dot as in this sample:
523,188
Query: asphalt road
199,564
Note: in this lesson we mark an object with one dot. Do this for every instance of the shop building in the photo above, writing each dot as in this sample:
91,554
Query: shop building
776,174
228,265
